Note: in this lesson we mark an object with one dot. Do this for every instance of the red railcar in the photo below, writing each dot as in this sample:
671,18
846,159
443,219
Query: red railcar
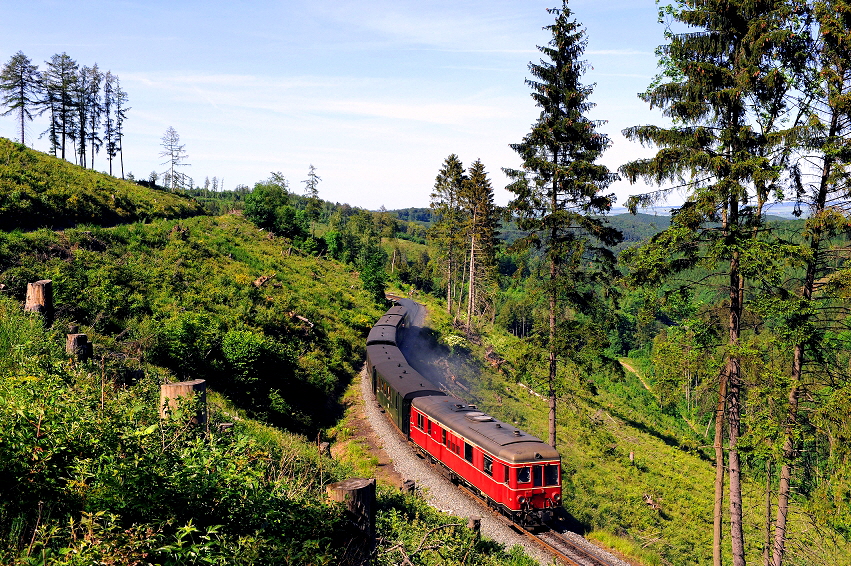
516,473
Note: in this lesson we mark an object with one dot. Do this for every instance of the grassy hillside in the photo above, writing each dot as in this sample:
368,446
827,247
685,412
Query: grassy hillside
602,418
38,190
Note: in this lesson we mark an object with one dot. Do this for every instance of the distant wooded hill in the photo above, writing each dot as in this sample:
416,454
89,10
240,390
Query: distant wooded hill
635,227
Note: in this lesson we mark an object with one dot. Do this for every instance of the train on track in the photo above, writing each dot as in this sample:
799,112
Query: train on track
512,471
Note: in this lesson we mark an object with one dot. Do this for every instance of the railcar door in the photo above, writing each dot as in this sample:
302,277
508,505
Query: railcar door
537,476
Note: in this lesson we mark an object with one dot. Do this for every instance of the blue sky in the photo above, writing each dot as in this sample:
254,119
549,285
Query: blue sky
374,94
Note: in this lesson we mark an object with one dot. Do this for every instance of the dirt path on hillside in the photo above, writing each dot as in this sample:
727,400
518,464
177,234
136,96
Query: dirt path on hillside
631,369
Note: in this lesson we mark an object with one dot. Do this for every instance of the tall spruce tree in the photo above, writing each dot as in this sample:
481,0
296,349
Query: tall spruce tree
559,191
60,78
20,85
446,232
94,104
724,88
110,137
120,99
821,174
476,198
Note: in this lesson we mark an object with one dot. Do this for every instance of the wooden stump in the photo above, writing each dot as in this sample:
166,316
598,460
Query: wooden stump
359,497
77,345
40,297
171,392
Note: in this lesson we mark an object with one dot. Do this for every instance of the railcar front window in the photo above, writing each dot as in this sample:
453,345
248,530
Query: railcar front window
487,465
537,476
551,474
524,475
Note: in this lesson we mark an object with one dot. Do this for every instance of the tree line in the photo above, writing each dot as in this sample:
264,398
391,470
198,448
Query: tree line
86,107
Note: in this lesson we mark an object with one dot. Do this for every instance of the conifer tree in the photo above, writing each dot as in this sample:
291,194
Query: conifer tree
174,153
311,191
725,90
559,190
60,78
446,232
821,174
110,138
121,109
94,104
20,85
476,198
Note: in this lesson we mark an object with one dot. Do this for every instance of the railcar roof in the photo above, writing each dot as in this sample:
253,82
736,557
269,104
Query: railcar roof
398,310
392,366
501,439
381,335
389,319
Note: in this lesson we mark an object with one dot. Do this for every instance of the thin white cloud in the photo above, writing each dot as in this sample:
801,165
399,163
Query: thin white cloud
617,52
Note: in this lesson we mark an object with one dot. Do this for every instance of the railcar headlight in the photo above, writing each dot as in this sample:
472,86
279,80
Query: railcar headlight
557,498
521,500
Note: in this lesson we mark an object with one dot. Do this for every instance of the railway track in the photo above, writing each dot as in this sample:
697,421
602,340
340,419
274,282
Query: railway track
555,542
568,551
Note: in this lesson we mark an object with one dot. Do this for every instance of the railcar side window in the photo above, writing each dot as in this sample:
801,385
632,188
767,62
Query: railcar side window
551,474
443,436
428,424
468,452
505,471
524,475
419,421
487,465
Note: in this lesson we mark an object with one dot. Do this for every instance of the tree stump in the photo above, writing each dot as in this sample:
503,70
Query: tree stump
359,497
40,297
77,345
171,392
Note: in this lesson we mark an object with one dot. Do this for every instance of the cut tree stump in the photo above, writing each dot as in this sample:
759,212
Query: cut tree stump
77,345
358,495
171,392
40,297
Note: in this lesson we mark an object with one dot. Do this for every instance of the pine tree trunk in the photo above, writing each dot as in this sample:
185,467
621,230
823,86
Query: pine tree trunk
449,283
460,293
767,552
734,411
551,393
471,293
718,515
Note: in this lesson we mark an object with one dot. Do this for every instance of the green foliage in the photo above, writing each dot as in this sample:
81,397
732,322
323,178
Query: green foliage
183,296
412,532
92,473
38,190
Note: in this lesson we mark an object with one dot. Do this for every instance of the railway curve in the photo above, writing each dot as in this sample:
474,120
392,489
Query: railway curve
566,547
